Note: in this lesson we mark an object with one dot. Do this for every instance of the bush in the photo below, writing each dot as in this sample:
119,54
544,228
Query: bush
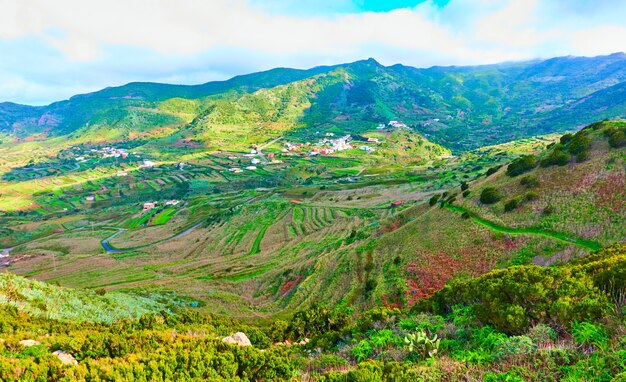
542,334
516,346
521,165
490,196
316,320
466,193
514,299
492,171
617,138
582,156
529,181
511,205
566,138
556,157
464,186
579,143
434,199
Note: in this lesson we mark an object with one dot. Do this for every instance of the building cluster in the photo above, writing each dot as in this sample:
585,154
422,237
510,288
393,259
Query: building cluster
104,152
392,124
324,147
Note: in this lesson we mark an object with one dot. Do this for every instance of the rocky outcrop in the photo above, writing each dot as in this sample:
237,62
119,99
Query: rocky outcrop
238,338
29,343
65,358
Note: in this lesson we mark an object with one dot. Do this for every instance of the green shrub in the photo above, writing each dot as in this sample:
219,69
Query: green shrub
490,196
511,205
315,320
466,193
566,138
492,171
516,298
508,376
582,156
516,346
617,138
464,186
579,143
542,334
434,199
521,165
556,157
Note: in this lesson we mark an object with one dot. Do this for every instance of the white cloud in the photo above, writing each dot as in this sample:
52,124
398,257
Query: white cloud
191,33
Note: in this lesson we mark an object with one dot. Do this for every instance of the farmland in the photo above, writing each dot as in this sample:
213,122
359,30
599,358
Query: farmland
271,238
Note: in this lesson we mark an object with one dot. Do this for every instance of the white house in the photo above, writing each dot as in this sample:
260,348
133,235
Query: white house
147,163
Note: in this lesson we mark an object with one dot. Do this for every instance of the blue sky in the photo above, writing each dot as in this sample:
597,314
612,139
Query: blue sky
51,50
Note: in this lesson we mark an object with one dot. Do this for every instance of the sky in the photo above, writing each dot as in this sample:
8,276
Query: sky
51,50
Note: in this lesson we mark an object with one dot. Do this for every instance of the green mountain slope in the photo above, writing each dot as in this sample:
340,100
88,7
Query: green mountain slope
459,107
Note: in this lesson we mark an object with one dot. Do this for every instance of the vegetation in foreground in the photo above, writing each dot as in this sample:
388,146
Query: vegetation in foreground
525,323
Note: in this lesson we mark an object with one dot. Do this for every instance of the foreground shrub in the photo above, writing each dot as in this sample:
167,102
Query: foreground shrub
514,299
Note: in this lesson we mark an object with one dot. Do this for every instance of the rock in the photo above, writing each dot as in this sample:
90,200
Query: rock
238,338
304,341
29,343
66,358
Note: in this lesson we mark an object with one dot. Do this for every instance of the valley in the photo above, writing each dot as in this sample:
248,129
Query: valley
332,214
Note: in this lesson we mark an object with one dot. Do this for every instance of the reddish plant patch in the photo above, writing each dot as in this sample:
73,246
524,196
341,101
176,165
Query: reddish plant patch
289,285
610,192
435,269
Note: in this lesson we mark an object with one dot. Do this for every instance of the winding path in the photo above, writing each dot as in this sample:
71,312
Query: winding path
111,249
583,243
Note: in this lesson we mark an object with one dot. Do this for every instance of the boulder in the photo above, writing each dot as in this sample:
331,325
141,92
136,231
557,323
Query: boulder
29,343
65,358
238,338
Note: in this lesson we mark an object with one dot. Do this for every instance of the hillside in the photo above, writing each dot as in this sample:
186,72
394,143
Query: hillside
447,224
350,228
517,324
459,107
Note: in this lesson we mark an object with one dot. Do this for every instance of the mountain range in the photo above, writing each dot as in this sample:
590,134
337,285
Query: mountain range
459,107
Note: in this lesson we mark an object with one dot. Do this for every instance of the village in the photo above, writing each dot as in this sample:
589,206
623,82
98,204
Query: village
104,152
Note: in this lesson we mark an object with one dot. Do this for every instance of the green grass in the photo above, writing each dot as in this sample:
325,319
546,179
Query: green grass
164,217
256,245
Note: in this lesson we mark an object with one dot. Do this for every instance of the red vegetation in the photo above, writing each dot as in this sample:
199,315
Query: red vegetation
611,192
289,285
431,272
